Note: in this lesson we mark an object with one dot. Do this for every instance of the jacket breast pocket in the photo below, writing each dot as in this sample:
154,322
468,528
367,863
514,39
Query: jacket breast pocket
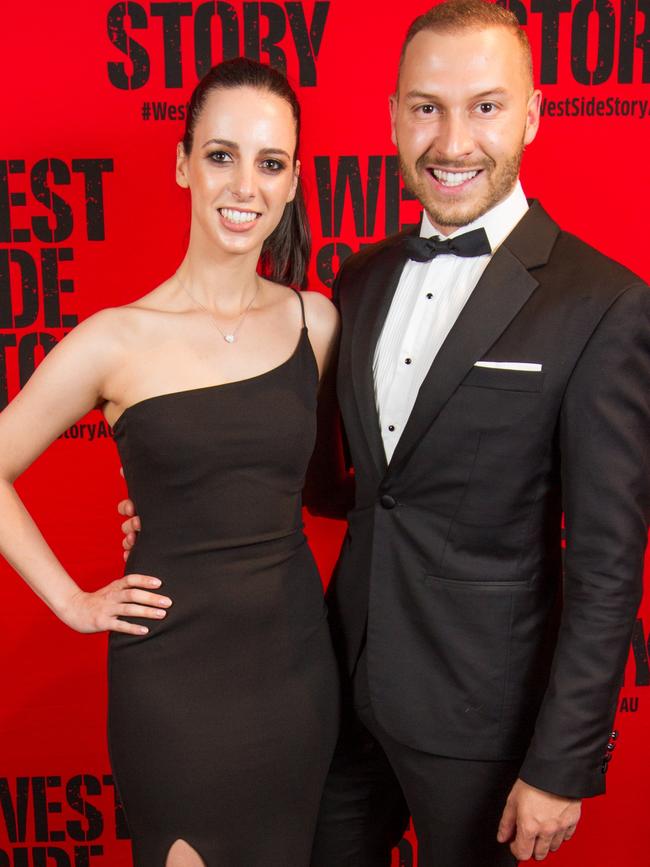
511,380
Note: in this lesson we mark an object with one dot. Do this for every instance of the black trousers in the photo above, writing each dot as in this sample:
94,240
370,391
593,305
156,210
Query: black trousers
376,783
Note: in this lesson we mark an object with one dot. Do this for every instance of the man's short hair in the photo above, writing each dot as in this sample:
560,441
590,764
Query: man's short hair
455,15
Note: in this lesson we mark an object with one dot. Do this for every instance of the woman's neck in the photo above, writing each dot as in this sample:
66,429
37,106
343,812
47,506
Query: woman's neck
220,281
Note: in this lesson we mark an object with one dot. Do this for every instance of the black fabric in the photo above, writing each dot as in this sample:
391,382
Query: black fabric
481,646
363,813
224,718
469,244
455,804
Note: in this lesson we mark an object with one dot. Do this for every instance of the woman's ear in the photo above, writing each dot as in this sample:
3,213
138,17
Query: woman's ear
294,183
181,166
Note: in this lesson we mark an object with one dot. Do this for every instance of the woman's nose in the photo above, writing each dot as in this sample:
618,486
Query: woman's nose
242,185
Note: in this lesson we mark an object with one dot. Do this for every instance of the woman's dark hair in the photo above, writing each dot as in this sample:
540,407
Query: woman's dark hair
286,252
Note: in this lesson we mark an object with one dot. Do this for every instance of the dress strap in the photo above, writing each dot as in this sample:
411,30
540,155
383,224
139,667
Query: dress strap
302,306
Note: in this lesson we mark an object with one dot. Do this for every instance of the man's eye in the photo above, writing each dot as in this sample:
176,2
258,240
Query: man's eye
487,107
427,109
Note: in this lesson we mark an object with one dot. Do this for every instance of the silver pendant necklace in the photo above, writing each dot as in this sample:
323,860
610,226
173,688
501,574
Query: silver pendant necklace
229,336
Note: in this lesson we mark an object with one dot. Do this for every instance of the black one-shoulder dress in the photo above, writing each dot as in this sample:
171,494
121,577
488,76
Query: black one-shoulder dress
223,718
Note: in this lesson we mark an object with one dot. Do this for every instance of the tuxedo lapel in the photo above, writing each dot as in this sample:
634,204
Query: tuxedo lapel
376,297
501,292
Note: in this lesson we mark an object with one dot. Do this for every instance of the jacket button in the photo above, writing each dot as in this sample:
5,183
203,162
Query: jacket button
387,501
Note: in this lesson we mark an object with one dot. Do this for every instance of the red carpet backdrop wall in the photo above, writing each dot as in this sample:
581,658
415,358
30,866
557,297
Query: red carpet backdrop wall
94,94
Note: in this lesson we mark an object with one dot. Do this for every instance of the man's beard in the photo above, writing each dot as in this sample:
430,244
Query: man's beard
501,180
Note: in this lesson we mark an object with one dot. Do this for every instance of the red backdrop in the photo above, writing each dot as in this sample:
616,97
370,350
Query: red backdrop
90,216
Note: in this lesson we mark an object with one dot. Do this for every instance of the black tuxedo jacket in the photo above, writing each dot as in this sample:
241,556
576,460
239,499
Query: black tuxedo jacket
480,644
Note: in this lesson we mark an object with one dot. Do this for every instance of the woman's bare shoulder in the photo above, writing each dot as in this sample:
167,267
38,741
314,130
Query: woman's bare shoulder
320,313
122,325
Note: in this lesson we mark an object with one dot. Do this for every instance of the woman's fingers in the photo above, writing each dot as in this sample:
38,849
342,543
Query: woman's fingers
126,507
144,597
116,625
131,526
135,601
128,609
135,579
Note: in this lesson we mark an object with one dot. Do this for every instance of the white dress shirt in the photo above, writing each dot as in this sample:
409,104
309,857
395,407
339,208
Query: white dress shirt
426,304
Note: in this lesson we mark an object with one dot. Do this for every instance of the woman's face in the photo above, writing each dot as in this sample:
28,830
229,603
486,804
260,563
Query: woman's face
241,171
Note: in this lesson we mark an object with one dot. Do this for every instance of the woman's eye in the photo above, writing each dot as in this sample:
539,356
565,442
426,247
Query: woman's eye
219,156
272,165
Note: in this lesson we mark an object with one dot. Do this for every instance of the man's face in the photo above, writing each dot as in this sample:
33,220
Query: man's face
461,118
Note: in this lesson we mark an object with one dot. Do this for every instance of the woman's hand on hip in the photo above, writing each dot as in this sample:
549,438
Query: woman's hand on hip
130,596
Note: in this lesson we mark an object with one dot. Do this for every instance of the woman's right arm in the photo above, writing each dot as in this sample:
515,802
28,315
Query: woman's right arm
67,384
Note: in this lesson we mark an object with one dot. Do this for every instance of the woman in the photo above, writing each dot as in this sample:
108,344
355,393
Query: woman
223,694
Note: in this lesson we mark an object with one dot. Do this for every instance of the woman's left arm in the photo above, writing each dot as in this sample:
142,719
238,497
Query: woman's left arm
329,486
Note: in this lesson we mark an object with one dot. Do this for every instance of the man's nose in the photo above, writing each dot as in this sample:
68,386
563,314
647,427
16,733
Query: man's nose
454,140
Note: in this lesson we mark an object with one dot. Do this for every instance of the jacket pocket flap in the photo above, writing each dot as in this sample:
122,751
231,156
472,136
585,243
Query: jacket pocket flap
512,380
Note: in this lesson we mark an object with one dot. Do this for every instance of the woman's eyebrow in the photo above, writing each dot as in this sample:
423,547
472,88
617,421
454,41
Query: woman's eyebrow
222,141
275,151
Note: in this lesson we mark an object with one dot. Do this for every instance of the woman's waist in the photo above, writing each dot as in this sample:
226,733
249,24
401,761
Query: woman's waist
184,548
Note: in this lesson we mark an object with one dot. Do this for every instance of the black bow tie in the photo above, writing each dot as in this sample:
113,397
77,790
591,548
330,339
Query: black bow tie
474,243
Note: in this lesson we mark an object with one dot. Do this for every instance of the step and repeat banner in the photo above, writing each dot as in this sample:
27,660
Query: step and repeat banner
94,98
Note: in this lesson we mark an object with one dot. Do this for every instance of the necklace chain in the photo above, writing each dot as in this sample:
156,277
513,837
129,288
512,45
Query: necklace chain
228,336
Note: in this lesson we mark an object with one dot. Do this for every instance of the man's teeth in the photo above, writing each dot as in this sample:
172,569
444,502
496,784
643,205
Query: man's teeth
238,216
453,179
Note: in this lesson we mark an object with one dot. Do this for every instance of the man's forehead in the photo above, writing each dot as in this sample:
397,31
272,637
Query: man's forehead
480,59
490,41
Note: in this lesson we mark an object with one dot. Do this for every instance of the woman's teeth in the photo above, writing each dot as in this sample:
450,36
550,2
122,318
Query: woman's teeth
238,216
453,179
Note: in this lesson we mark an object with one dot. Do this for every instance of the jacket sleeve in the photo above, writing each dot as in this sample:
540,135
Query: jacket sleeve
603,439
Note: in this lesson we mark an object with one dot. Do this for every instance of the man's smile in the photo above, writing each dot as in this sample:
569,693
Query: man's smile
448,178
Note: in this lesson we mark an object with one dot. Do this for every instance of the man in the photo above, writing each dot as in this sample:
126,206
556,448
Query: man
483,392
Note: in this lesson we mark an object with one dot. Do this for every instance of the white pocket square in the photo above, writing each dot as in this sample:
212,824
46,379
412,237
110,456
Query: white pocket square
530,366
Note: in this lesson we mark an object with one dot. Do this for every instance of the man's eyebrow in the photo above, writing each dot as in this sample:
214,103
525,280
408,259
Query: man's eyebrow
495,91
420,94
432,97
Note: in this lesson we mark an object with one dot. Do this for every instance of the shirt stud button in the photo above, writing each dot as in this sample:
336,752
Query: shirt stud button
429,295
408,360
391,427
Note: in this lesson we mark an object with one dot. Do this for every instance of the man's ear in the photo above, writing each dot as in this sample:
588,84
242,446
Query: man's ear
392,107
532,116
